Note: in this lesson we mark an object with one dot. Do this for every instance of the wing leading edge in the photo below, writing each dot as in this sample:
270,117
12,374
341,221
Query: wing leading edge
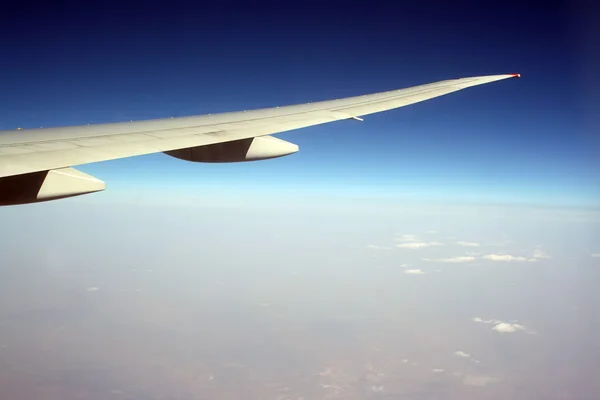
36,150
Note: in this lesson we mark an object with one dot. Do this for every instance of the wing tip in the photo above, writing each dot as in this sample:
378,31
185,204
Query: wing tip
516,75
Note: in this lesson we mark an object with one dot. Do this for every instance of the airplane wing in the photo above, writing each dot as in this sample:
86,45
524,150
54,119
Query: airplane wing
36,164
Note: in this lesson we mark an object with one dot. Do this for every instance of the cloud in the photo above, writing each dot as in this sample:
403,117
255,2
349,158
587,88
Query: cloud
460,259
468,244
407,238
478,380
92,289
486,321
414,272
539,253
473,253
595,255
460,353
418,245
505,327
438,370
507,257
501,326
376,247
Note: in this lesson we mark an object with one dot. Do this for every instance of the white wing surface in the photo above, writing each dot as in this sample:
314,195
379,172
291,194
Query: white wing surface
35,163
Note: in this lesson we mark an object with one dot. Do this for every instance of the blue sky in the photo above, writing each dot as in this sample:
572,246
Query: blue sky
516,141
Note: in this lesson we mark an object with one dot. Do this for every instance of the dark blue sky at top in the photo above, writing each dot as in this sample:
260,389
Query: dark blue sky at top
527,140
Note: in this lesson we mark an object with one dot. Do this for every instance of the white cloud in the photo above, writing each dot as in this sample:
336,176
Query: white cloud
500,326
460,259
461,353
505,327
376,247
539,253
486,321
407,238
418,245
93,289
468,244
414,272
411,245
507,257
438,370
595,255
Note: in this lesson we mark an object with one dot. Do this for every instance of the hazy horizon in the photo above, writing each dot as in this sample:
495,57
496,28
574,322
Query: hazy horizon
133,300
